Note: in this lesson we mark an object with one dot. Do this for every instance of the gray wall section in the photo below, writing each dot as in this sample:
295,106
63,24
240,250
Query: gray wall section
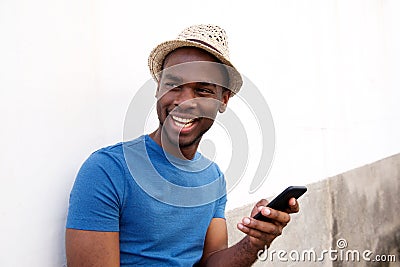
361,206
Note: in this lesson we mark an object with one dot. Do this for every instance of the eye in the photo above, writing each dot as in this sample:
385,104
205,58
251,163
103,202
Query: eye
203,90
170,84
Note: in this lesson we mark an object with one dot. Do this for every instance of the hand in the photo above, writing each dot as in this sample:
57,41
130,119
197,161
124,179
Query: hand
261,233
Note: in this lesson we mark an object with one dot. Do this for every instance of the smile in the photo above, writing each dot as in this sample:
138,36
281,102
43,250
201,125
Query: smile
182,122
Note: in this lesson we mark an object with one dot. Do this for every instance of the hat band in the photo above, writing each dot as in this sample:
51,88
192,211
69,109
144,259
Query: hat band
204,43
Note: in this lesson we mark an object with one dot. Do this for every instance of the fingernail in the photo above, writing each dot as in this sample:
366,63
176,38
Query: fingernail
240,226
259,208
267,211
292,202
246,221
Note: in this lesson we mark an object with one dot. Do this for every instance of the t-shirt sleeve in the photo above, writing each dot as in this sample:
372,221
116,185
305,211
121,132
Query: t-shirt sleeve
221,202
220,209
97,195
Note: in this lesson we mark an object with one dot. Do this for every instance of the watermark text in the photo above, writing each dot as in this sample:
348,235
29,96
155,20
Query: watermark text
340,253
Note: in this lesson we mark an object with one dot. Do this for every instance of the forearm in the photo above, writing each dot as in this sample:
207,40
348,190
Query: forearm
241,254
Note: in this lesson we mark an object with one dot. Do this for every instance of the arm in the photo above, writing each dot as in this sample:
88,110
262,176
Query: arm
259,235
91,248
94,208
216,239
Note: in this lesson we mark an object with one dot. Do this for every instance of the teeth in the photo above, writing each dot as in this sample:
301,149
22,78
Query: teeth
183,125
182,120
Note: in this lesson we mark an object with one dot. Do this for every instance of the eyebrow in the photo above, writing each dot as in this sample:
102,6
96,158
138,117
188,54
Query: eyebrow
172,77
207,84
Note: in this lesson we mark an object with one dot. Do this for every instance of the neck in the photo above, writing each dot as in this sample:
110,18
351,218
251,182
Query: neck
186,152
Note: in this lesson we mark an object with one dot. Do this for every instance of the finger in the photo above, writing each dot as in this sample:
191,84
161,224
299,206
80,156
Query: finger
260,238
262,202
257,238
259,204
276,216
293,206
264,236
263,227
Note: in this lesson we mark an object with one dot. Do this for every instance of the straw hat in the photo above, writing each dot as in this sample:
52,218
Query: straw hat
210,38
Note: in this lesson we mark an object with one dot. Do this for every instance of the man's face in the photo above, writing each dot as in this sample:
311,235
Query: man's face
189,95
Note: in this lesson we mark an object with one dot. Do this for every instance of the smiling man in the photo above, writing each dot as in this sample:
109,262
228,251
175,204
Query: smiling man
155,200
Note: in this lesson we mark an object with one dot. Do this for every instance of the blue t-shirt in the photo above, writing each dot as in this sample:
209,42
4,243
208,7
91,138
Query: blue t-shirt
160,225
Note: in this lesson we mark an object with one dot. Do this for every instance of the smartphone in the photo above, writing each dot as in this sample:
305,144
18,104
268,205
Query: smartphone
281,202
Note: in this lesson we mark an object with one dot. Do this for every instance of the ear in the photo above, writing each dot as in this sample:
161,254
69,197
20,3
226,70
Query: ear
226,95
222,108
157,90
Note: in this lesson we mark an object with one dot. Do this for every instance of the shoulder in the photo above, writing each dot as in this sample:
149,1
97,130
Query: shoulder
112,156
107,159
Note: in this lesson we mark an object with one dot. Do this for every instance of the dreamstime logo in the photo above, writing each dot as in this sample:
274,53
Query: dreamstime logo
311,255
234,128
341,243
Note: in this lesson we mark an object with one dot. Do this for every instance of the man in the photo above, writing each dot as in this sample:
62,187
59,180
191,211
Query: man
155,200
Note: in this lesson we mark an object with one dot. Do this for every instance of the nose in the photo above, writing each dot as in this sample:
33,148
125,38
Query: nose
185,99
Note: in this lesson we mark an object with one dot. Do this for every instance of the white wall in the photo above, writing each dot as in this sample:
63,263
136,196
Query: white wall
68,70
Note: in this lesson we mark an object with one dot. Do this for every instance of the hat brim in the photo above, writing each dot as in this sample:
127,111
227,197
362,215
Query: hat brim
156,59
